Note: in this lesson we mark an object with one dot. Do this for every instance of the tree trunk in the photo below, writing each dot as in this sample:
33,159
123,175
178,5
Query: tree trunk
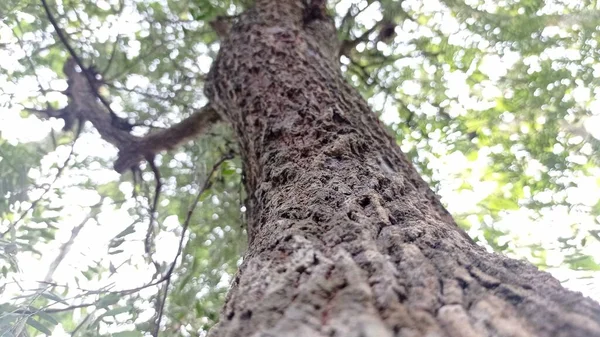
345,238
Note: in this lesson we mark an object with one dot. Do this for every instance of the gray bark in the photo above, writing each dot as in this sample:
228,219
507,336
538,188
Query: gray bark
345,238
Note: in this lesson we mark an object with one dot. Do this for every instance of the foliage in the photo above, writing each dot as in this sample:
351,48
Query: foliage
496,103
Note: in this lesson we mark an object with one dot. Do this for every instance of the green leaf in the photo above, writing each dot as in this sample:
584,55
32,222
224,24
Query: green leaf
109,299
38,326
584,263
117,311
54,297
6,318
116,243
473,155
130,229
47,317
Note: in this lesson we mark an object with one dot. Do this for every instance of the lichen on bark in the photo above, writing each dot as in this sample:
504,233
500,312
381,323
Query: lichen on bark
345,238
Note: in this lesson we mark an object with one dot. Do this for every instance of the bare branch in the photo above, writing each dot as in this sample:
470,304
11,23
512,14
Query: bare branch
161,307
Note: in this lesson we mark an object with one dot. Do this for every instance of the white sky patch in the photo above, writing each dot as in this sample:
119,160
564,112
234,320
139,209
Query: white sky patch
496,66
16,129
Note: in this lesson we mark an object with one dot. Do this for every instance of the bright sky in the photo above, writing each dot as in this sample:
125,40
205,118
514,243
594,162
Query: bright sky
92,242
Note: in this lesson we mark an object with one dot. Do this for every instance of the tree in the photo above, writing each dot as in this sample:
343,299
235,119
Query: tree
345,237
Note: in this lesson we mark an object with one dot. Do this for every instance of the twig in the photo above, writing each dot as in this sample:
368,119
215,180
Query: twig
64,249
161,306
166,277
113,53
28,57
349,15
136,91
143,56
150,232
186,223
80,325
69,308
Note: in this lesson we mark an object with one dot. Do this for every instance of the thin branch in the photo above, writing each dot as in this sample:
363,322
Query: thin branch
161,306
150,232
53,311
28,57
112,56
143,56
349,15
69,308
64,249
81,324
139,92
186,224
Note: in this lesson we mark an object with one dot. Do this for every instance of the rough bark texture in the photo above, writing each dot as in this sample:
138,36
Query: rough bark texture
345,238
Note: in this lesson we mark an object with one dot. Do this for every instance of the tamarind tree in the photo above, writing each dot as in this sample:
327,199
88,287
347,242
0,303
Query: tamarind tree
273,168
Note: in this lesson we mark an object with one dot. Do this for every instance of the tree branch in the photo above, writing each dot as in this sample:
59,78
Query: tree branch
166,139
84,106
83,93
92,81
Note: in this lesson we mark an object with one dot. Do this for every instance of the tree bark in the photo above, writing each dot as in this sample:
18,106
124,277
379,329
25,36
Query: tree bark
345,238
